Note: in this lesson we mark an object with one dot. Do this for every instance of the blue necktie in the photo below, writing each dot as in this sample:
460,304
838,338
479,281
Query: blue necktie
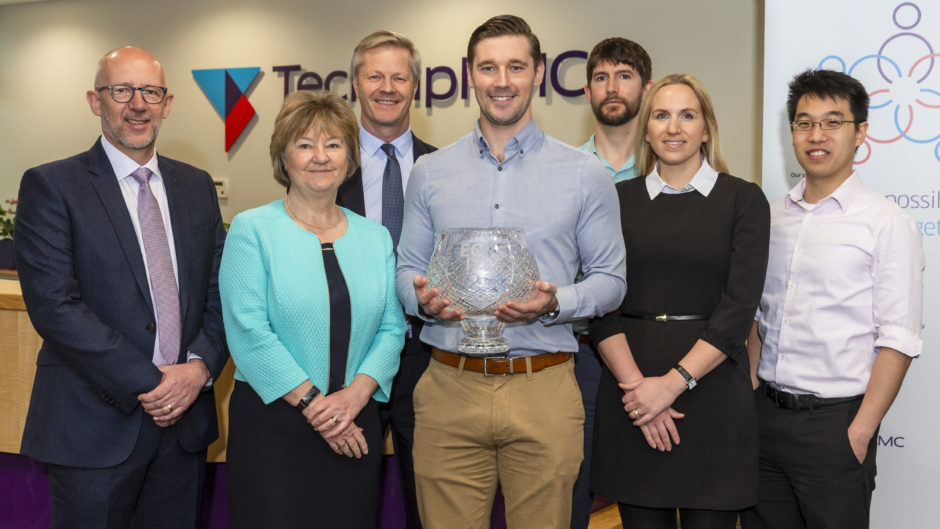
393,201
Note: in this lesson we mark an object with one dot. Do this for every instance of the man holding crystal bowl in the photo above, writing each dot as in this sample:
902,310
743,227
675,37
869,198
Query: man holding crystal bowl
522,430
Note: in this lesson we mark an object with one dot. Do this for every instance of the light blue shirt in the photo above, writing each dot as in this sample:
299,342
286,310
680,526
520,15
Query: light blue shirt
373,159
562,198
626,171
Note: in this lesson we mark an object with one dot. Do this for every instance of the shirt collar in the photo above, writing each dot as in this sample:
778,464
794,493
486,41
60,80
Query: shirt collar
628,165
525,141
592,147
703,181
123,165
842,197
372,145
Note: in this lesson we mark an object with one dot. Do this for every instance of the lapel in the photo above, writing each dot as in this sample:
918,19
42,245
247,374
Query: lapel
418,147
176,200
105,183
350,195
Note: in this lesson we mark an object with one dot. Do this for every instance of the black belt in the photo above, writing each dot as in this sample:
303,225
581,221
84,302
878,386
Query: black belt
792,401
663,317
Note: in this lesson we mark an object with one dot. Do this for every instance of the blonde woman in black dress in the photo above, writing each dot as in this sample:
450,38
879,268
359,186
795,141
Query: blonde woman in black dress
676,425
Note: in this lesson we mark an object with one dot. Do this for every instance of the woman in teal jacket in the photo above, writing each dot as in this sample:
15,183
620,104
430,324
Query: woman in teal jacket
315,330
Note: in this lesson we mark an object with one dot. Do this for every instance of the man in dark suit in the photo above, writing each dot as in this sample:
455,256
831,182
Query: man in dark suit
118,253
385,70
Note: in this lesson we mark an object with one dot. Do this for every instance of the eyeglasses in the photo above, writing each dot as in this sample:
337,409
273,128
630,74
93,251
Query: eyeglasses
121,93
805,125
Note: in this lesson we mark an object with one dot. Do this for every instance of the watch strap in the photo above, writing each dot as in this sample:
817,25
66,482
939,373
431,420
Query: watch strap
306,399
690,381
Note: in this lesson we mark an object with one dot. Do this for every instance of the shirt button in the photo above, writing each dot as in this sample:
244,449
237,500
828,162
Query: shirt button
786,321
499,168
495,206
151,327
791,285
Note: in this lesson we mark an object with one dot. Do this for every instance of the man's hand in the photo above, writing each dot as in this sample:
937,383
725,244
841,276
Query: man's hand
543,303
431,302
859,442
176,392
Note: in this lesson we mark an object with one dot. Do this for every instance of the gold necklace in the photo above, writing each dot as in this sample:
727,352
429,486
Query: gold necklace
296,217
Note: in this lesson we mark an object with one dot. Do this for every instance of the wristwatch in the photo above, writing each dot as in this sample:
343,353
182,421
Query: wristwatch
550,316
305,400
690,381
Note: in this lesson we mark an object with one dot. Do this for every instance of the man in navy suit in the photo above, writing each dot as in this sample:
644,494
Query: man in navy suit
122,408
385,70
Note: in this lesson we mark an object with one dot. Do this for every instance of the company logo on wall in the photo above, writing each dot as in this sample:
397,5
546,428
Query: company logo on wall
227,90
903,84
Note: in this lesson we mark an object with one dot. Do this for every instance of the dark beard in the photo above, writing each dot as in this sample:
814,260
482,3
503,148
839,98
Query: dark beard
629,112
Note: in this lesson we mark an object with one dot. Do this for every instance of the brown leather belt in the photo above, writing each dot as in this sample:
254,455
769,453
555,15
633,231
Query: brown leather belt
499,365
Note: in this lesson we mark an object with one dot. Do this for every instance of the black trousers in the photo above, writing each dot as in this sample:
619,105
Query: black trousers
809,475
399,412
648,518
157,487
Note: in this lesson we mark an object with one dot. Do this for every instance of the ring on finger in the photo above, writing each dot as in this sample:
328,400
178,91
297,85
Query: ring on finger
333,418
636,413
169,407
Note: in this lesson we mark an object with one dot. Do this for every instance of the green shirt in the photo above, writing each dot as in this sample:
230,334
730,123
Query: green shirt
626,172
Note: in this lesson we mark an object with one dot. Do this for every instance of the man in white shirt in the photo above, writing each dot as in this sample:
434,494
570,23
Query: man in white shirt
385,70
839,319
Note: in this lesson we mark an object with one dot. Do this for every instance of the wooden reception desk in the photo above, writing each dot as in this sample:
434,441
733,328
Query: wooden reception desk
19,345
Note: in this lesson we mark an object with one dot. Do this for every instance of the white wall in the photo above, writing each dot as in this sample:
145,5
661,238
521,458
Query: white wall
48,52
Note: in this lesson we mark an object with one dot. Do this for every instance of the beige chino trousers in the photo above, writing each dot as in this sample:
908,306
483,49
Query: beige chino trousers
524,431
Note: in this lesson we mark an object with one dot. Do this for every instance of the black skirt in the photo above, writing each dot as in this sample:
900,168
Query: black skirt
281,473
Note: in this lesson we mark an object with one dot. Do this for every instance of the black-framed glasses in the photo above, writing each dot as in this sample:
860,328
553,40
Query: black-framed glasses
122,93
805,125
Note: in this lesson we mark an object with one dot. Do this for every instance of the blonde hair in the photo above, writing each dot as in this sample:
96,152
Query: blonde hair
384,37
645,157
320,111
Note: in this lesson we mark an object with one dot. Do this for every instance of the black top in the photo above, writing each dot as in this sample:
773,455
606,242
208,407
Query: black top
340,318
687,254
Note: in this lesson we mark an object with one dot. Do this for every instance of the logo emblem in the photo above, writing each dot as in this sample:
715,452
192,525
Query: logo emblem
226,89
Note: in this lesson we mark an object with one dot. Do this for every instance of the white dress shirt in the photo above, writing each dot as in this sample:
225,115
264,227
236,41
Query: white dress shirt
703,182
845,278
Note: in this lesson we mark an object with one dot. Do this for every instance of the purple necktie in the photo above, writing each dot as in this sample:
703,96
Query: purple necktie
160,266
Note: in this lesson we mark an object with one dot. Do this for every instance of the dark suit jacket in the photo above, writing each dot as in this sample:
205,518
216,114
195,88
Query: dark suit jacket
85,287
349,194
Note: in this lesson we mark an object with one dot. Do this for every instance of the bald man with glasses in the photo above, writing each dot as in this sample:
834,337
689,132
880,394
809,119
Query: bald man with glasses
118,254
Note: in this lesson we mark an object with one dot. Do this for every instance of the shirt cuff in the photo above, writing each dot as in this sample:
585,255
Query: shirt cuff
567,305
900,339
193,356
